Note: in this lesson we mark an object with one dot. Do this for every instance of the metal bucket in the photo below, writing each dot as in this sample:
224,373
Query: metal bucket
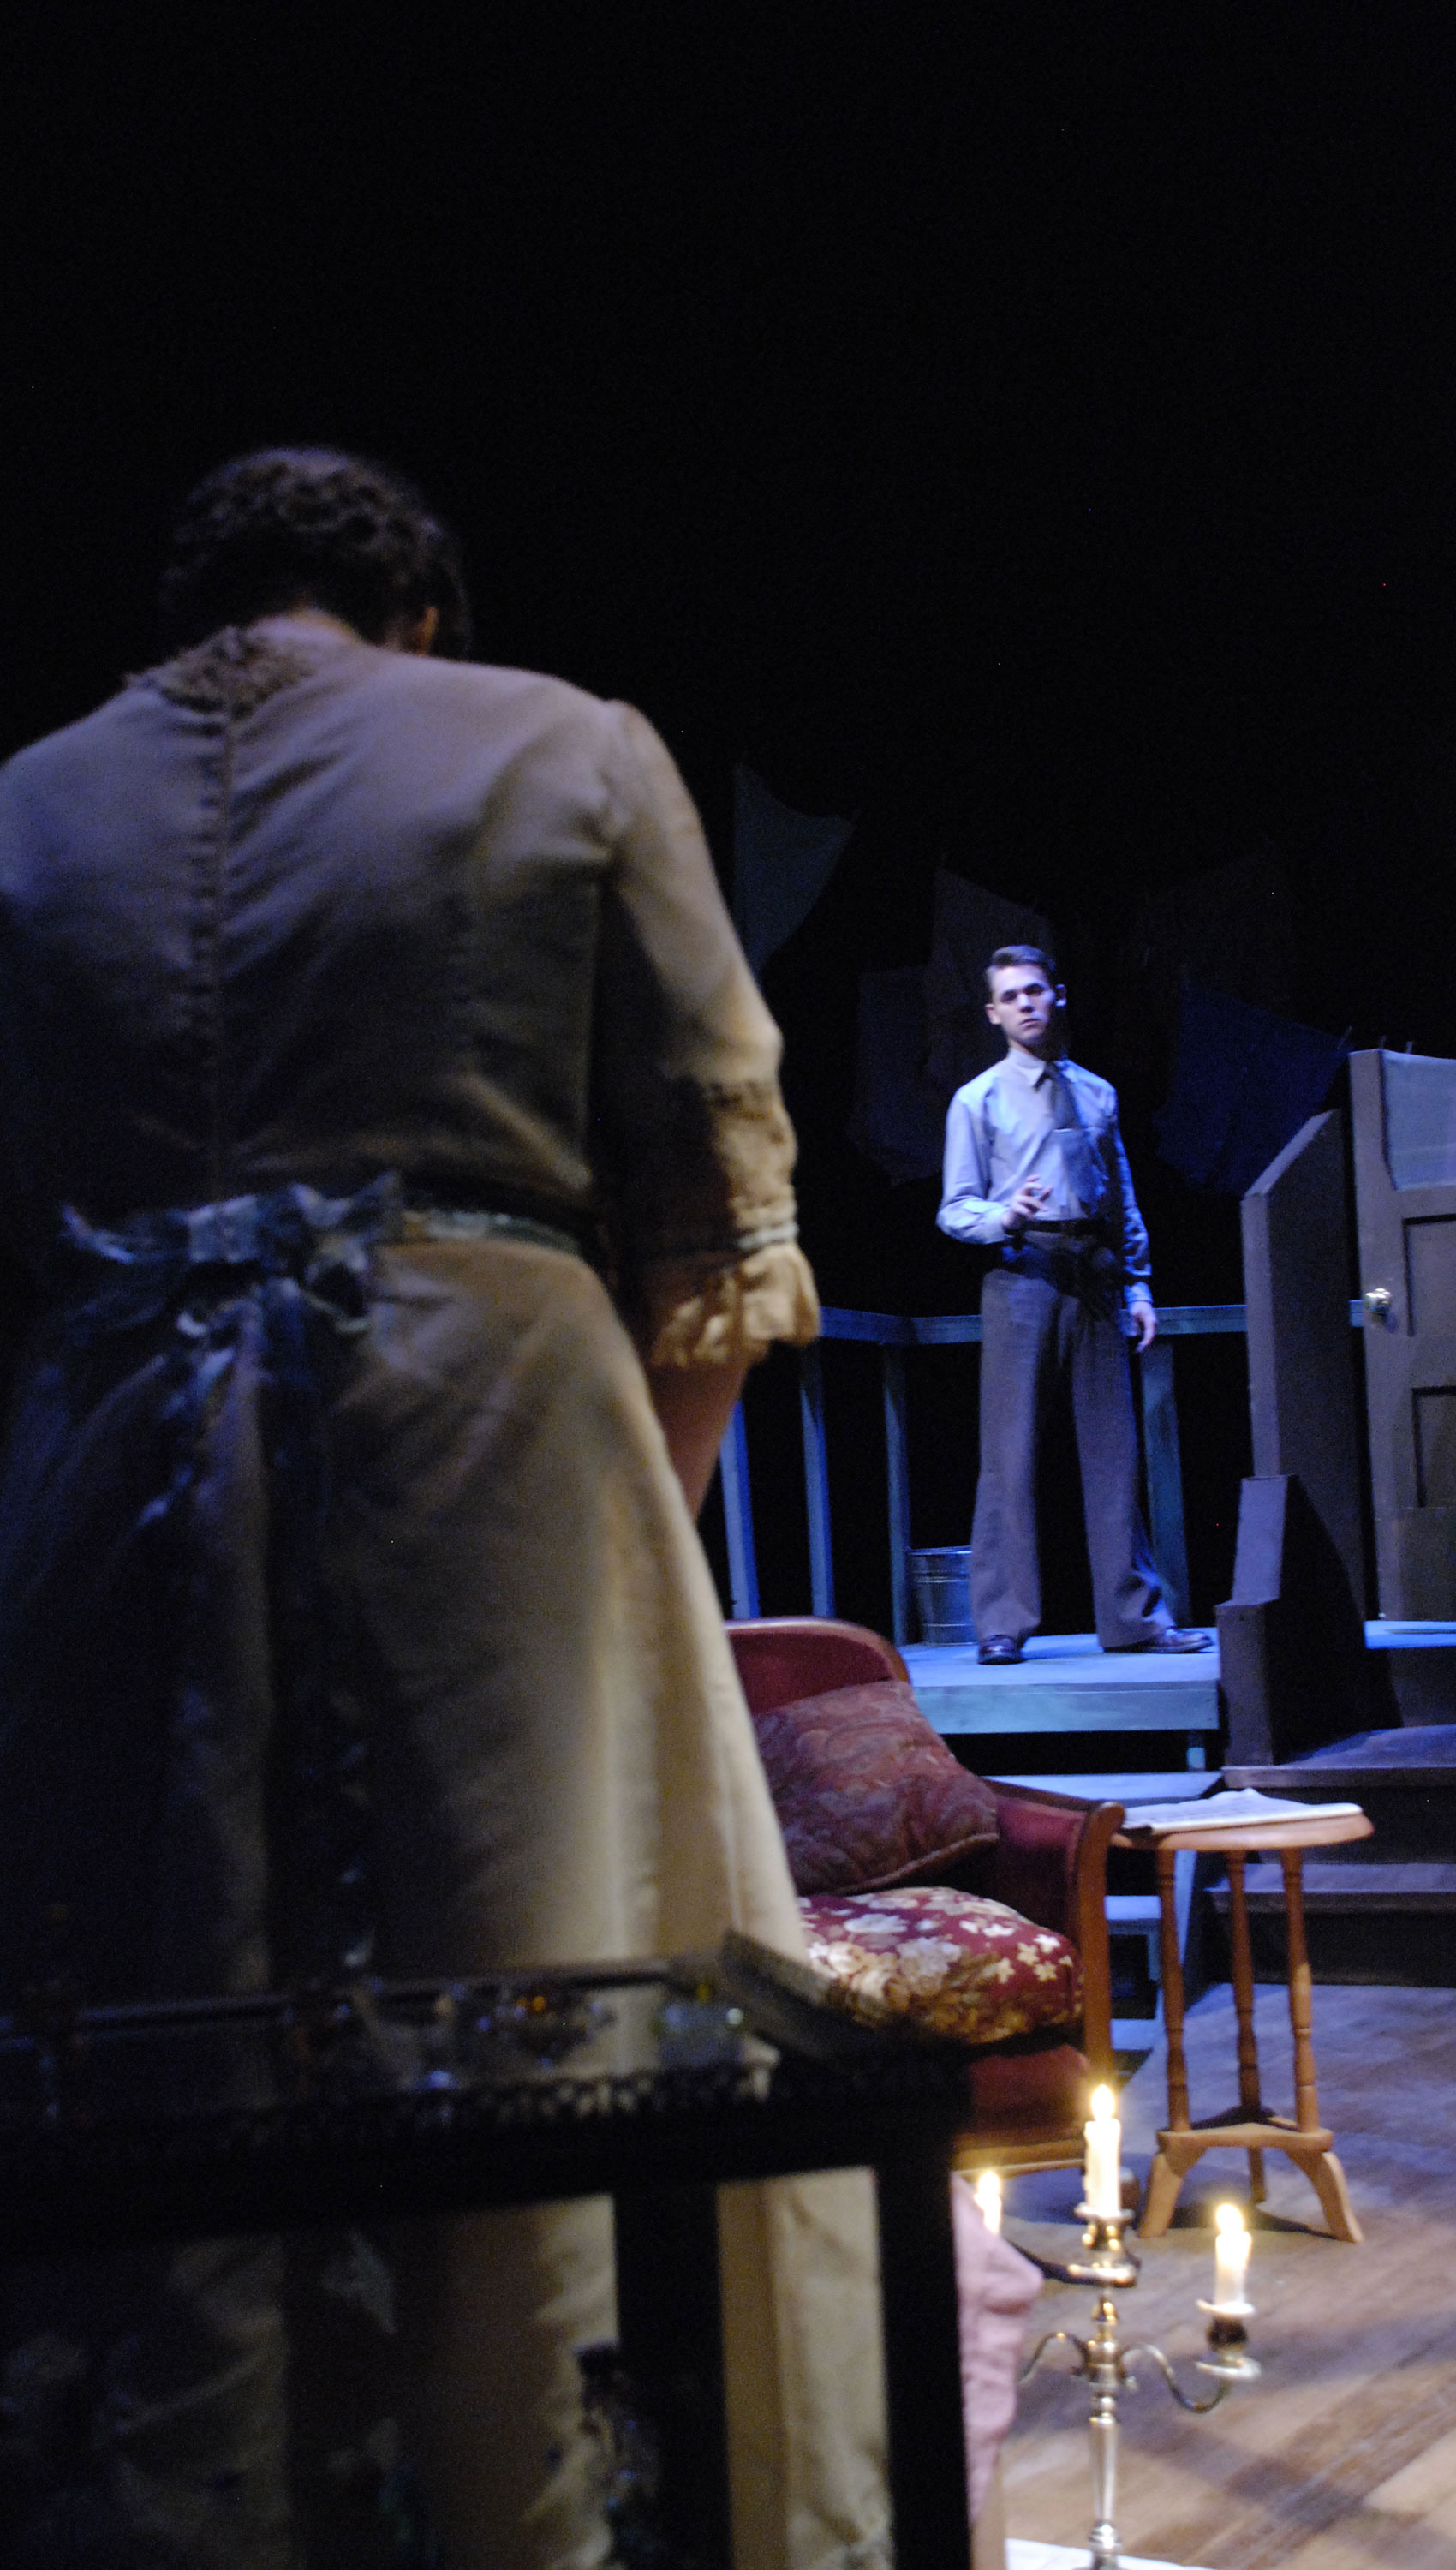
941,1578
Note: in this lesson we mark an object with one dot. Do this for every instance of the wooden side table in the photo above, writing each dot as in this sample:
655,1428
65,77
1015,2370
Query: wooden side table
1250,2126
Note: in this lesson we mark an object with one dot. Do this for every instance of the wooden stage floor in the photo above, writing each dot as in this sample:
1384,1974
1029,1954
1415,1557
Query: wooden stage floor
1343,2457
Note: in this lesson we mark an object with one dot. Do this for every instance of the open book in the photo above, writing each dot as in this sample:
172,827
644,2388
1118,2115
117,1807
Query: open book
1247,1810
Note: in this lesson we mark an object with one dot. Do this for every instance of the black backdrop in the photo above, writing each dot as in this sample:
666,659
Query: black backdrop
1029,427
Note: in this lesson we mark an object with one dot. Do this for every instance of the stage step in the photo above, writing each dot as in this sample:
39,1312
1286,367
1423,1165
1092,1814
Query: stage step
1348,1889
1383,1908
1418,1663
1406,1780
1132,1915
1390,1924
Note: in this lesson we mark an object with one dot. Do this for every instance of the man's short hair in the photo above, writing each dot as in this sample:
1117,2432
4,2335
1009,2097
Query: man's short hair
1005,954
296,526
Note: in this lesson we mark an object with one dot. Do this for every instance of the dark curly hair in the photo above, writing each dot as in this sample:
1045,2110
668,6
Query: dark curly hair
302,524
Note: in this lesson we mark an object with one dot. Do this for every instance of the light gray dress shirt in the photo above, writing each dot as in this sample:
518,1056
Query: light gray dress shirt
1002,1131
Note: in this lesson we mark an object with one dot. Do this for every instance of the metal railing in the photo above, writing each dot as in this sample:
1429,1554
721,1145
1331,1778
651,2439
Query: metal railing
894,1334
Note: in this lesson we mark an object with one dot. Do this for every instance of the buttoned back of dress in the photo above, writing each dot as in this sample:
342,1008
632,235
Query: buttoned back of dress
341,920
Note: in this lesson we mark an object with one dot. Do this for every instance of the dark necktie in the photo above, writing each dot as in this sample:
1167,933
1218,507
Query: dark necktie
1083,1163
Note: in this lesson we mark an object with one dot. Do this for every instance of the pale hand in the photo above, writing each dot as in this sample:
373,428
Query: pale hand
1027,1203
1144,1320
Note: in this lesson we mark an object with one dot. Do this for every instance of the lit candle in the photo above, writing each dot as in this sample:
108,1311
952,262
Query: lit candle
988,2199
1232,2246
1102,2181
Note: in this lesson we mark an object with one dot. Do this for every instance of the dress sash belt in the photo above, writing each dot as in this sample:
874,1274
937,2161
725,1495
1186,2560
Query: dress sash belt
268,1730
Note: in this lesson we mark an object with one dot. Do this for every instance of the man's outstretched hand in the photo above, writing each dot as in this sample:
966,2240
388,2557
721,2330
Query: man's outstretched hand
1146,1320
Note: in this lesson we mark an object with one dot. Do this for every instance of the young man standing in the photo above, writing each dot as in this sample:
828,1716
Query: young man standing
1034,1164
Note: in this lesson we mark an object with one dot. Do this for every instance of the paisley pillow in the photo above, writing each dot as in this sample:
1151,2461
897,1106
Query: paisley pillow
953,1963
866,1792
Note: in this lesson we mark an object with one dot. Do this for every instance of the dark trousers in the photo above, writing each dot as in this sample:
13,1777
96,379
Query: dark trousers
1032,1331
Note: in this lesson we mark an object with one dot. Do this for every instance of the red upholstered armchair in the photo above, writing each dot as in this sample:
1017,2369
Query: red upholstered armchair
1029,2093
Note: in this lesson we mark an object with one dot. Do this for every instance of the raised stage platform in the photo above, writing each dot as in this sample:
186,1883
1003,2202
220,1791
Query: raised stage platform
1068,1683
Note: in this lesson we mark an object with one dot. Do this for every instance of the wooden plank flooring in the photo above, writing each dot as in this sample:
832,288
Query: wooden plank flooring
1343,2457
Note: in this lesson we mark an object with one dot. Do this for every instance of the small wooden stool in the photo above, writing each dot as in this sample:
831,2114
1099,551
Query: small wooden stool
1250,2126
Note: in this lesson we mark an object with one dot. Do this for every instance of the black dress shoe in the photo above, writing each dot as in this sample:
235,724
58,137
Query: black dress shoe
999,1651
1175,1638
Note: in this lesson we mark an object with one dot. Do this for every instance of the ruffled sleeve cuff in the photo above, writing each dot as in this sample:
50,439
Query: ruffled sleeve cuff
721,1311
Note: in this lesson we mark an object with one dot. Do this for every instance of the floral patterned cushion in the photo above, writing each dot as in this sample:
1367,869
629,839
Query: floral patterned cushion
866,1792
955,1963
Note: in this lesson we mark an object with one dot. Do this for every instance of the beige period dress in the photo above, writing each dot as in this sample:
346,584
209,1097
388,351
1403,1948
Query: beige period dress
294,913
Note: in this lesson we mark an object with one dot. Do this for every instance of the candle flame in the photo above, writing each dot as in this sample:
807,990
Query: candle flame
988,2194
1229,2219
1102,2103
